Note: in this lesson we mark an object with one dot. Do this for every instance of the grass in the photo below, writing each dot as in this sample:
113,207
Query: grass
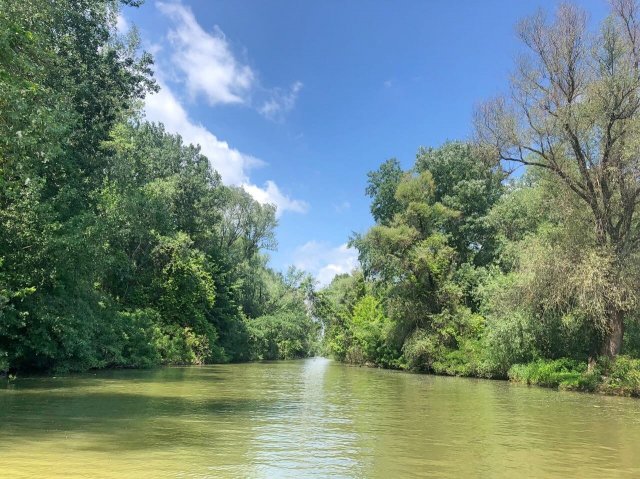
619,377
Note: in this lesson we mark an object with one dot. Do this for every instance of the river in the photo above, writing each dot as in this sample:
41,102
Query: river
311,418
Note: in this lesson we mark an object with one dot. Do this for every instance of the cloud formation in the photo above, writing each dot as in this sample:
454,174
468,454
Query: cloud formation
271,194
280,102
204,65
211,69
122,25
233,165
324,261
206,59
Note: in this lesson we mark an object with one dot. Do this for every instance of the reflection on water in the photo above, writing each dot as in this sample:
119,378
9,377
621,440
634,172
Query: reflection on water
311,418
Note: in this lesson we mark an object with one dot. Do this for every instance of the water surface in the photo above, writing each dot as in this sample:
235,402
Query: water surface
312,418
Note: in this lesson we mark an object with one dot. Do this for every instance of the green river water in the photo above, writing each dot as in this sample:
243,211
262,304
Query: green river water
311,418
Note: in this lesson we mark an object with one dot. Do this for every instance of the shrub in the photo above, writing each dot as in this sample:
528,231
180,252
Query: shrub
452,346
466,360
181,345
4,362
369,328
420,350
621,377
562,373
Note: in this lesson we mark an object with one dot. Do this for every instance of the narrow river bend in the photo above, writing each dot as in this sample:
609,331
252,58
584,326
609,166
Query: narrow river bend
311,418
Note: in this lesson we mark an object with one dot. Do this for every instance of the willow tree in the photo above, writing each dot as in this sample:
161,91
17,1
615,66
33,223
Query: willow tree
574,110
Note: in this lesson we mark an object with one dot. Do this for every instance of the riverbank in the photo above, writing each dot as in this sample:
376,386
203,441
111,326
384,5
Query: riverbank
611,378
620,377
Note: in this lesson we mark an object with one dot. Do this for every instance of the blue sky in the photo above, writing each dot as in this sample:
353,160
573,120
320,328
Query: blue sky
296,101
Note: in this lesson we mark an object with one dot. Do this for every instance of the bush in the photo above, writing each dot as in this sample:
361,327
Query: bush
127,340
4,363
510,332
181,345
369,328
621,377
464,361
453,346
555,373
420,350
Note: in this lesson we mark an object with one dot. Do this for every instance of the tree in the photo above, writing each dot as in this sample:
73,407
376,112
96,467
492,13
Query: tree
470,187
382,190
65,80
333,307
119,244
410,259
574,110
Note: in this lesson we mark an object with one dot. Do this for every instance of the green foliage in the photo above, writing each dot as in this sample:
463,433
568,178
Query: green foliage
369,329
381,188
532,279
577,126
181,345
333,307
549,373
119,245
467,186
620,377
64,83
451,346
632,338
424,264
284,336
467,276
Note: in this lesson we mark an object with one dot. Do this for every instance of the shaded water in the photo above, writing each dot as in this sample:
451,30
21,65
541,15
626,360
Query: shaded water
311,418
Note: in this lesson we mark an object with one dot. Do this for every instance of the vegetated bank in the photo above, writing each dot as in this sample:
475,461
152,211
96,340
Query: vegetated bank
119,245
466,275
473,270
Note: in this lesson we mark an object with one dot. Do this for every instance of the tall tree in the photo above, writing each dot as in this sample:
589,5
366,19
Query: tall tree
574,110
66,78
470,187
381,189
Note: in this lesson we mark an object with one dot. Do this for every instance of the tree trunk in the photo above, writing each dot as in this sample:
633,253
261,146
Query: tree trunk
612,344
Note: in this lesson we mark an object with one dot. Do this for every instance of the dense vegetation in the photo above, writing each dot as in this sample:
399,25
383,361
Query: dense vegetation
511,256
478,267
119,245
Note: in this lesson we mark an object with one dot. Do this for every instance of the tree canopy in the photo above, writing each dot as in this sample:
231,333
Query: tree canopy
119,244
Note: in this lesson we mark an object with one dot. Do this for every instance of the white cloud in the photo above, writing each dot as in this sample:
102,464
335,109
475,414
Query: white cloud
210,67
233,165
206,59
280,102
121,23
271,194
324,261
